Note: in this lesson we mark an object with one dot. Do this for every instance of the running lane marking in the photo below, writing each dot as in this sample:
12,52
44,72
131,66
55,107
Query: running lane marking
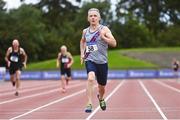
27,90
154,102
94,112
51,103
39,94
167,86
23,90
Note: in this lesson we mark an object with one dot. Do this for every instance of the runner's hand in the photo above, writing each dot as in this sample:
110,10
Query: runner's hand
103,35
8,64
57,65
24,65
82,59
68,65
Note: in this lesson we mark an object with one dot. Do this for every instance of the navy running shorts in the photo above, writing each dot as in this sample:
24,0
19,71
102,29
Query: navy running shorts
100,70
66,71
15,67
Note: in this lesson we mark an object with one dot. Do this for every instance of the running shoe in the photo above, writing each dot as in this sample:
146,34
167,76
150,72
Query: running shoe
102,103
16,93
67,81
88,108
63,90
13,83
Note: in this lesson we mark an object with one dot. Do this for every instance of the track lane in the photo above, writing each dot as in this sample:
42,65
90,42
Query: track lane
69,109
6,86
129,102
18,107
26,92
166,98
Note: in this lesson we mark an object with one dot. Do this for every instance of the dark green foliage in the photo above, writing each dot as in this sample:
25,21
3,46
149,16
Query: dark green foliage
43,27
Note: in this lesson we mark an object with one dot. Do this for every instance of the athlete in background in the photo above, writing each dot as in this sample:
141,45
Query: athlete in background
175,67
64,61
16,58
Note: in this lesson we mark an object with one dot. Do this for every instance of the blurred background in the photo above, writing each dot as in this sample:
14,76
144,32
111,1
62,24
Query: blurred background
147,31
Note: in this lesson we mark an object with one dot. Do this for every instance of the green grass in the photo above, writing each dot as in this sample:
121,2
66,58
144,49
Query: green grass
116,61
124,62
51,64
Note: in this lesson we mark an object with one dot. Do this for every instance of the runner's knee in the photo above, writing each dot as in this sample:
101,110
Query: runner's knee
91,76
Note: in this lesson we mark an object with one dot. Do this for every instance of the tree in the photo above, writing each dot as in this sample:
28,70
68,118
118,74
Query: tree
170,36
132,34
25,25
153,13
3,35
56,12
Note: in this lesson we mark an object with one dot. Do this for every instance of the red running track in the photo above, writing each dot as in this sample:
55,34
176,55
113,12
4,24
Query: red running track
126,99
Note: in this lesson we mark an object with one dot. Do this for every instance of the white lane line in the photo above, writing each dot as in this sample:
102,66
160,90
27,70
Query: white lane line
28,90
167,86
51,103
38,94
154,102
94,112
33,88
25,85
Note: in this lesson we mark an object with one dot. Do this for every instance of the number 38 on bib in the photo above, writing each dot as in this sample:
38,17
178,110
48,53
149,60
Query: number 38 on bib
91,47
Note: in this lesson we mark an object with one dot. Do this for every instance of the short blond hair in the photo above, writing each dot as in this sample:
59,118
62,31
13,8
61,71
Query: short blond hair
63,47
95,9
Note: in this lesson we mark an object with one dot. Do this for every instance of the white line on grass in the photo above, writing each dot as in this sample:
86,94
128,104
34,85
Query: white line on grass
119,85
154,102
39,94
167,86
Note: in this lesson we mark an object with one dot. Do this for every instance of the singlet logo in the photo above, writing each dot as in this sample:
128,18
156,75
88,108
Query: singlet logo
65,60
14,58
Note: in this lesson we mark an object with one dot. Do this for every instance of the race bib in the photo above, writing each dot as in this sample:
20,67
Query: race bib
65,60
14,58
91,47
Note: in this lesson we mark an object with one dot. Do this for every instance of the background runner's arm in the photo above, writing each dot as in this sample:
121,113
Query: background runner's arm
25,56
57,61
72,61
7,56
107,36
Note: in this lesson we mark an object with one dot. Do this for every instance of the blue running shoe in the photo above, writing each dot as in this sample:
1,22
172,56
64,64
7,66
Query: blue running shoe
88,108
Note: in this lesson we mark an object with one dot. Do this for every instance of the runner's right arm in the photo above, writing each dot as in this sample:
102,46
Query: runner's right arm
7,56
57,61
82,46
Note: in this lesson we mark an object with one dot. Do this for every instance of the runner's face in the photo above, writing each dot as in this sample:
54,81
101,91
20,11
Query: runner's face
15,44
93,17
63,50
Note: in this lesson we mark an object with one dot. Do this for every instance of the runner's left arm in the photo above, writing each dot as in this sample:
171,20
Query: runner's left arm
107,36
25,57
72,61
57,61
